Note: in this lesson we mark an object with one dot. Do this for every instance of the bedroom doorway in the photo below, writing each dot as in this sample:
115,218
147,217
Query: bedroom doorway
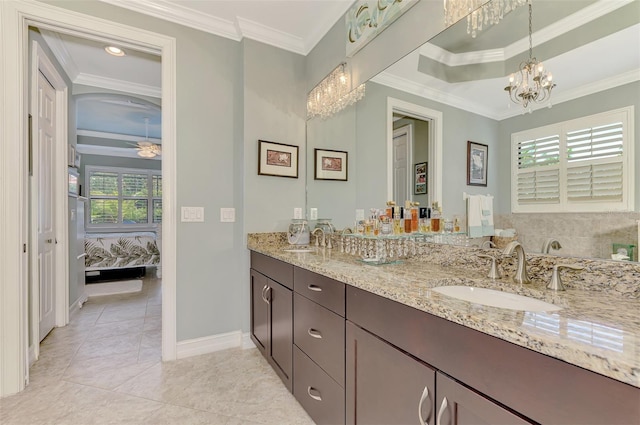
17,17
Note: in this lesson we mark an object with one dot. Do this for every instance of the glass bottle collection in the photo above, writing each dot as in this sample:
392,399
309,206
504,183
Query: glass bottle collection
396,220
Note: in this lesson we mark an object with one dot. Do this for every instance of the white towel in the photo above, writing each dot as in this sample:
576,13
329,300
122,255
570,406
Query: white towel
474,216
487,215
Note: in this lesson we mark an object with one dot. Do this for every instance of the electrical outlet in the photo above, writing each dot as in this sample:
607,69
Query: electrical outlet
313,213
192,214
297,212
227,215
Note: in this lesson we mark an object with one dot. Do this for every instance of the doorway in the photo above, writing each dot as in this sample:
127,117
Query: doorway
396,108
16,18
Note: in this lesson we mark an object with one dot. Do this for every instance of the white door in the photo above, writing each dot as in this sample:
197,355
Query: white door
44,164
401,164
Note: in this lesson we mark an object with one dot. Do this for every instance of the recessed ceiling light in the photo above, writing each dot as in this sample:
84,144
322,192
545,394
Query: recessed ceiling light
115,51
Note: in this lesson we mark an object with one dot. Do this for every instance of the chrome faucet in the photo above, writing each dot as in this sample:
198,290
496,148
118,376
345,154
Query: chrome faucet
549,244
521,275
324,239
556,283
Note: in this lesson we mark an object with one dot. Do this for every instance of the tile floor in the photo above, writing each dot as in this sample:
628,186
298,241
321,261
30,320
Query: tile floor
105,368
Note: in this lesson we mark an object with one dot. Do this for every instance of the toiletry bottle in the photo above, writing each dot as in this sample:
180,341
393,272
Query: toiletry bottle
414,217
397,221
385,225
424,220
407,217
390,208
435,218
456,224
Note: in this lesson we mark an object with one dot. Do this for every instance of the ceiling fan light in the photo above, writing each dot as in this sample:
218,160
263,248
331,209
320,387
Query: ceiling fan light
145,153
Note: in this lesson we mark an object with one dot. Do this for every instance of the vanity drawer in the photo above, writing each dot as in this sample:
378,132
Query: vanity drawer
319,395
325,291
320,334
274,269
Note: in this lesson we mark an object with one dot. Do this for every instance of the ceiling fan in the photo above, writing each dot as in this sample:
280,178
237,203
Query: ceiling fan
145,148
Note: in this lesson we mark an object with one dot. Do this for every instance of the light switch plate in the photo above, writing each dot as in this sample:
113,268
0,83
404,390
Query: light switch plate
313,213
192,214
297,212
227,215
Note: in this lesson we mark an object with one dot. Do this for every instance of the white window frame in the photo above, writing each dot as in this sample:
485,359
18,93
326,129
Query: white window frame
150,225
624,115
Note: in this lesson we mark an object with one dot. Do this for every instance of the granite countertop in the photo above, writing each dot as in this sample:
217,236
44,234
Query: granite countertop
599,331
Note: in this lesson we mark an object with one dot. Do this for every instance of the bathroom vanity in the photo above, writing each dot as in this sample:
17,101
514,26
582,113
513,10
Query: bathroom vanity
362,344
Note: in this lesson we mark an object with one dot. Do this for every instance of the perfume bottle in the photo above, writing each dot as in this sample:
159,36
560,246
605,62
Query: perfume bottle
397,221
435,218
407,217
414,217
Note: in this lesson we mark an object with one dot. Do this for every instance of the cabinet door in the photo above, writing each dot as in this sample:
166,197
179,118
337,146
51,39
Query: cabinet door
384,385
259,311
280,301
458,405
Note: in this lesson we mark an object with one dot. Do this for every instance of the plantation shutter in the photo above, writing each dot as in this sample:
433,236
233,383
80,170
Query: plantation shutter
538,174
595,163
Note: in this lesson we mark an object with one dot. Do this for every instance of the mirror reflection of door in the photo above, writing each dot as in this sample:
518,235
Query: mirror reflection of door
402,147
418,152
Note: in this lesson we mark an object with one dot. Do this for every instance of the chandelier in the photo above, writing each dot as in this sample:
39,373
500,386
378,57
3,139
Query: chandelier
479,13
333,94
145,148
531,83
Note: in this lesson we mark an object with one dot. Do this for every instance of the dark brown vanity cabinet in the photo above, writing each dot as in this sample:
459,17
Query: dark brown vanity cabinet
319,350
385,385
272,313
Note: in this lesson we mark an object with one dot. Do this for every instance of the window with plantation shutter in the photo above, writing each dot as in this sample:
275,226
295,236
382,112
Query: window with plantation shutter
575,166
123,198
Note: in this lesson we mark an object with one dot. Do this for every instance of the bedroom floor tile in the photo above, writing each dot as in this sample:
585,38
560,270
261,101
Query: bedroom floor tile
105,368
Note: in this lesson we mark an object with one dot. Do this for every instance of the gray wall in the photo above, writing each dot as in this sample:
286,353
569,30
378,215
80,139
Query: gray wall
216,160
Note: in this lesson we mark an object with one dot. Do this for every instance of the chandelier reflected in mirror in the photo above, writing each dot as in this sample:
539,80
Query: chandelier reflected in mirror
333,94
531,83
479,13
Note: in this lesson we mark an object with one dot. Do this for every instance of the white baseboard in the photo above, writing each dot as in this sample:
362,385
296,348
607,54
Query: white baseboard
247,342
32,354
77,304
209,344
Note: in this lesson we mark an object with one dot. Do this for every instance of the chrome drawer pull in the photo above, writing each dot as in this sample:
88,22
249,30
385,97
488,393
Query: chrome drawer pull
315,397
314,288
264,296
314,333
425,396
443,408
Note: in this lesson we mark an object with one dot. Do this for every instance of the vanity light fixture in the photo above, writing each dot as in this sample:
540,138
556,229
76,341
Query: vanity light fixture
479,13
333,94
114,51
531,83
146,149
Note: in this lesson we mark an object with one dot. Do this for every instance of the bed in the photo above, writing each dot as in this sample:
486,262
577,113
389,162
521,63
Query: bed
107,251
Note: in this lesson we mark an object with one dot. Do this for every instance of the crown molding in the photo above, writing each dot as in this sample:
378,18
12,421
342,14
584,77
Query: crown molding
417,89
110,151
116,136
576,20
55,43
268,35
337,8
174,12
119,85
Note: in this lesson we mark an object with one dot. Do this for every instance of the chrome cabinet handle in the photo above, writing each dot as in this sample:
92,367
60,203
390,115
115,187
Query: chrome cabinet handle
314,333
313,396
314,288
425,396
267,293
443,408
264,296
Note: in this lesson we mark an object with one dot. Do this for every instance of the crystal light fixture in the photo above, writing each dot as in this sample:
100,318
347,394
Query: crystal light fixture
333,94
531,83
479,13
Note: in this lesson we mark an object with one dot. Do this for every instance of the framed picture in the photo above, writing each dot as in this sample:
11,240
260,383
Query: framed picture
477,156
330,164
277,159
420,182
71,156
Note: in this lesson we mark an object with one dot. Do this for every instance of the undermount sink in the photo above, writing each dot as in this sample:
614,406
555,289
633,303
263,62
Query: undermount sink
298,250
493,298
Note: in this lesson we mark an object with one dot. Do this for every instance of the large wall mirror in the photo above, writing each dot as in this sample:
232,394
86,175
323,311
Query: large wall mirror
591,47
